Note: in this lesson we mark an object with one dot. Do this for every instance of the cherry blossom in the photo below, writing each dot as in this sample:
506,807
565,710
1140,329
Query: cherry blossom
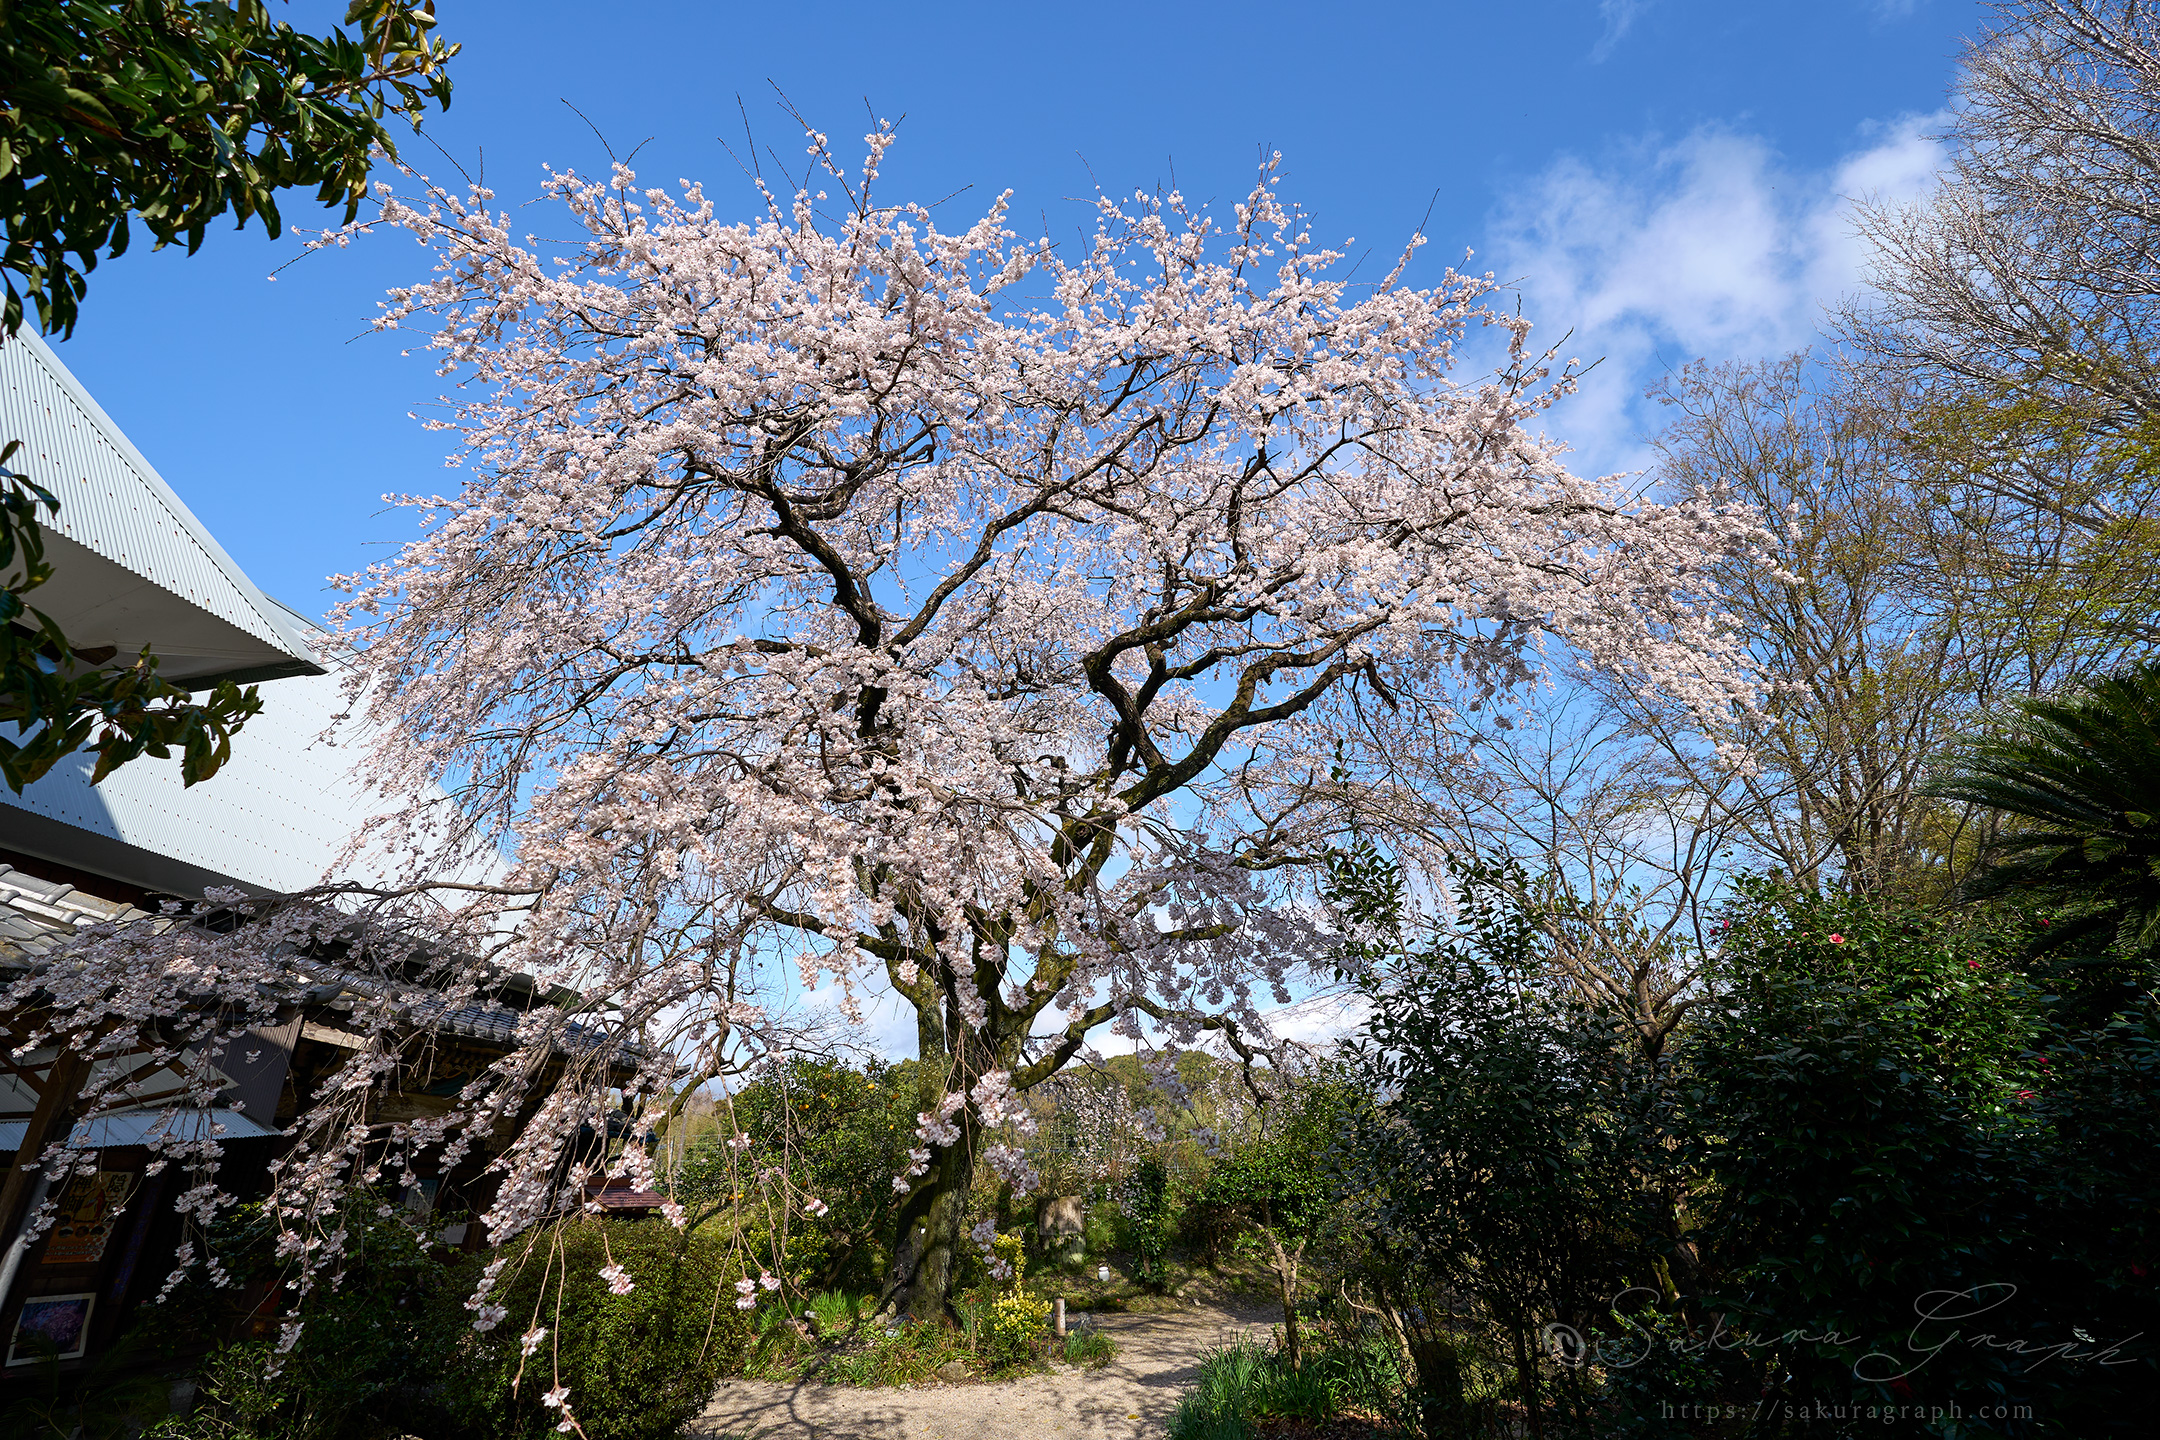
1008,625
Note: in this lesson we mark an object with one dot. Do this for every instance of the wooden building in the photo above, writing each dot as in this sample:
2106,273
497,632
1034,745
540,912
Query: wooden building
132,567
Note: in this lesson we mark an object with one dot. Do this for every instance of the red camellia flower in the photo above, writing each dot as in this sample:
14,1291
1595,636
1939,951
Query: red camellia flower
2025,1094
1837,939
1972,964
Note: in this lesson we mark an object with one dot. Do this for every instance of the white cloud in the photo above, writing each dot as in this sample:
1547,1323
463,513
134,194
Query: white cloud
1619,17
1319,1020
1707,247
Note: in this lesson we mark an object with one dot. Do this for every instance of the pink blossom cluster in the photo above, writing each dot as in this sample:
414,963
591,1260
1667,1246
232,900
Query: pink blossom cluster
1011,626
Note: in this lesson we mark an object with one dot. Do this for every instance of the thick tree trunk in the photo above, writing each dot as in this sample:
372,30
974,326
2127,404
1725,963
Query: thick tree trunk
919,1282
932,1220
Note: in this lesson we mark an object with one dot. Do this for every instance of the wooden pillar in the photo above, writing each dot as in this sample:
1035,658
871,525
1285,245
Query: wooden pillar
21,1189
55,1101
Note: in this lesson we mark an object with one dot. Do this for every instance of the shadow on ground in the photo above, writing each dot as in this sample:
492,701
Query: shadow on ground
1158,1356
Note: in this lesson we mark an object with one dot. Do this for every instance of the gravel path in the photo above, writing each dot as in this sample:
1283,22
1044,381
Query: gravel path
1133,1395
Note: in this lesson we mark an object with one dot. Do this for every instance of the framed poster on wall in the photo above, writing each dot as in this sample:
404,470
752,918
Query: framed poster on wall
51,1327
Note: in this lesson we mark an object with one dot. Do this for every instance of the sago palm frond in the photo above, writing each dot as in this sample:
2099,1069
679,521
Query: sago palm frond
2080,778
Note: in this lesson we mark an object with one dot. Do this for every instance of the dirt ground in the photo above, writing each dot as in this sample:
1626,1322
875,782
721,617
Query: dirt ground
1158,1355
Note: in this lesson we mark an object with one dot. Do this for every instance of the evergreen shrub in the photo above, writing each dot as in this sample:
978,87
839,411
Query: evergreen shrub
639,1366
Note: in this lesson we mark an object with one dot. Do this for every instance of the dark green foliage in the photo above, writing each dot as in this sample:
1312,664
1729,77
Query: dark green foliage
112,1395
1878,1111
1843,1091
1524,1160
2079,778
1145,1202
58,696
639,1366
371,1346
1283,1179
1652,1361
844,1132
179,113
1280,1189
390,1350
2094,1248
1897,1125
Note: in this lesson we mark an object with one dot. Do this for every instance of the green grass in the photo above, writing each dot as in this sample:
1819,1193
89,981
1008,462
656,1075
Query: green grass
843,1348
1187,1279
1220,1404
1245,1381
835,1314
908,1355
1088,1345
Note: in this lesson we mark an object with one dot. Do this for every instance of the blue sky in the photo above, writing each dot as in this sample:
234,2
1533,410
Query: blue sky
1663,177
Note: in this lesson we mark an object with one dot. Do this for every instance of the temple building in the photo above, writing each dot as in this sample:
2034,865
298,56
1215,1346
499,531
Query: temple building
133,567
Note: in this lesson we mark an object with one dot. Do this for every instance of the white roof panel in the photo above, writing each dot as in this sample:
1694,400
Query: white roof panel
135,1127
131,565
273,819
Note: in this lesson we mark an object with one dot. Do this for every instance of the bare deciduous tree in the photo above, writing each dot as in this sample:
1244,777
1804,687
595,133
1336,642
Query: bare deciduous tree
2033,265
2019,302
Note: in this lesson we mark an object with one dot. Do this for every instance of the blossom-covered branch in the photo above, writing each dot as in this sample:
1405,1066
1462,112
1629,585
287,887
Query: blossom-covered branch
955,613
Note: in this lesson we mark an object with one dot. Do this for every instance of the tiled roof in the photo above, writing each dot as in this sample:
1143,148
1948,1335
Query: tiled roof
36,915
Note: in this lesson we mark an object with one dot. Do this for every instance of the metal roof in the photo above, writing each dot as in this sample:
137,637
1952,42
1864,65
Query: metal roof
135,1127
131,565
273,819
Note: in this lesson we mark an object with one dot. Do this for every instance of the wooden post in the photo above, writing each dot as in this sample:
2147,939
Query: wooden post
25,1186
62,1079
1058,1305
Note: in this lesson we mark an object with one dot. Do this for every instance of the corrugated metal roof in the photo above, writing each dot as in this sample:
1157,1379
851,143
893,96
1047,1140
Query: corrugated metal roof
114,505
135,1127
274,818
